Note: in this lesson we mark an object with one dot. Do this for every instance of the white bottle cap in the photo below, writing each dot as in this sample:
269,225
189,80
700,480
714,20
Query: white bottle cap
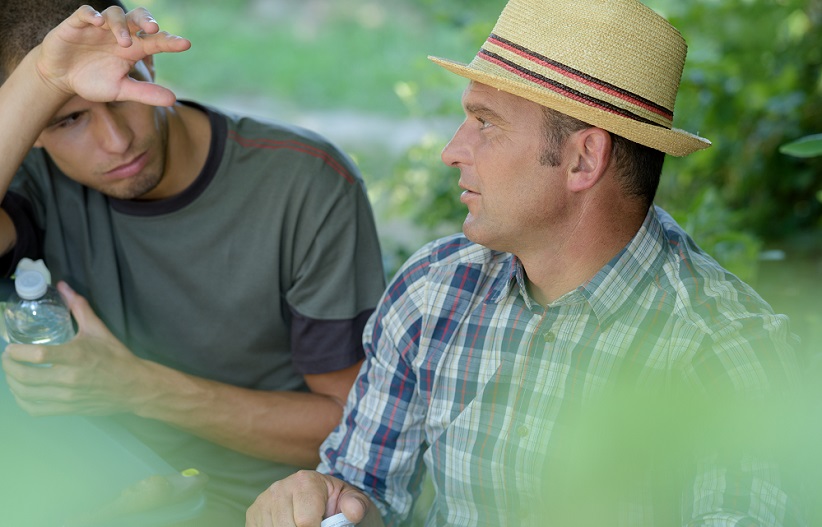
30,285
27,264
338,520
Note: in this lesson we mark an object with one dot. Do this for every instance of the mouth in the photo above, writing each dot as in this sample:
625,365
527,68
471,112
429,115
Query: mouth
129,169
467,193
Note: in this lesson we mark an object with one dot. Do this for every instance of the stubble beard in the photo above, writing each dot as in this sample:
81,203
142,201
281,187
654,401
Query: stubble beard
136,187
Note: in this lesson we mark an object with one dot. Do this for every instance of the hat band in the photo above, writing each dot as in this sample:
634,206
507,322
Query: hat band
516,51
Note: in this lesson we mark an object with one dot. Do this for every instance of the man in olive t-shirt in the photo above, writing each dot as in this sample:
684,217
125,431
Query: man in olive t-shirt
220,269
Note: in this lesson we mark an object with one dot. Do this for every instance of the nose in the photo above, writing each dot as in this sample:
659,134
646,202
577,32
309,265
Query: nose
111,130
455,152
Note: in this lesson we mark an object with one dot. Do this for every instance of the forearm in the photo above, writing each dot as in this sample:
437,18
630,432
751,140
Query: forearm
286,427
27,102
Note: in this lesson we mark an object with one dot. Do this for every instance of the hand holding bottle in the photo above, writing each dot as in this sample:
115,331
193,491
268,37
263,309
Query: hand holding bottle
91,374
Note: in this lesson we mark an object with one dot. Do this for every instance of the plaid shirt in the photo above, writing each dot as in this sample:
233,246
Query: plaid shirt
467,376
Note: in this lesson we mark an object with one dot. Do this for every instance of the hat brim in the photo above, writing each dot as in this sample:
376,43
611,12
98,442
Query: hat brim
671,141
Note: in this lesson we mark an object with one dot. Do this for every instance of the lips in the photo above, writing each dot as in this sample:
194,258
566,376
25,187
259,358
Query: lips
129,169
467,192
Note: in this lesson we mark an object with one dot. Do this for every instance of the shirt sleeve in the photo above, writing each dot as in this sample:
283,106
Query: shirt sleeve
310,338
337,275
379,444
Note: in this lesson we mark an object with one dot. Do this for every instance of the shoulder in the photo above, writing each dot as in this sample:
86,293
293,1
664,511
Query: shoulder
452,266
443,255
725,333
710,297
437,286
292,149
38,174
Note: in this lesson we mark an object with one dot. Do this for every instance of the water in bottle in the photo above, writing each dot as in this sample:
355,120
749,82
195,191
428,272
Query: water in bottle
36,313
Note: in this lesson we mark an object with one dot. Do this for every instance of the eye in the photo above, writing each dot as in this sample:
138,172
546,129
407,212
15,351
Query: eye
68,120
483,123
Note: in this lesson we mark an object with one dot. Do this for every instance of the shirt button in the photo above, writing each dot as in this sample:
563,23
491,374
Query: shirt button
522,430
549,336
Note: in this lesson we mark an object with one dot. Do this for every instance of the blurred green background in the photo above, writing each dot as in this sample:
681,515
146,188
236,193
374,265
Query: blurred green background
356,71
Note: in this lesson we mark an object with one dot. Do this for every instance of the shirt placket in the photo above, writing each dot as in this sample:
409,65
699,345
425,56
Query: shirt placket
532,396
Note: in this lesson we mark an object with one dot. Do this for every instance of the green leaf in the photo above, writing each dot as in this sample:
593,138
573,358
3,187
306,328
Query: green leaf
808,146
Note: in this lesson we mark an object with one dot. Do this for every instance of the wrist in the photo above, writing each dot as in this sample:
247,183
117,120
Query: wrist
162,393
49,86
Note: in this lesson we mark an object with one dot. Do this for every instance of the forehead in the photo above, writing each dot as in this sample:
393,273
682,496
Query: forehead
478,96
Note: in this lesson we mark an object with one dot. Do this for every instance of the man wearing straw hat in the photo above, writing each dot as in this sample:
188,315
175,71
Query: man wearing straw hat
567,288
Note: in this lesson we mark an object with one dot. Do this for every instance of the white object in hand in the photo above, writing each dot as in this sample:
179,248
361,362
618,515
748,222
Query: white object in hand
338,520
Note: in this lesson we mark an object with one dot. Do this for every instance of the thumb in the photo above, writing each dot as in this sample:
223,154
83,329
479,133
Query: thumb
354,504
146,93
87,321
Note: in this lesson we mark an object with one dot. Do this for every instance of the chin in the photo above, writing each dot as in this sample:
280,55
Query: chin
471,231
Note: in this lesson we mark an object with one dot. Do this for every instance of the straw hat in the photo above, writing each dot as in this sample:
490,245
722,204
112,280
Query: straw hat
614,64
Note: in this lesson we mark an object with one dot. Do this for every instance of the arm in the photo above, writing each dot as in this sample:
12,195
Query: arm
95,374
90,55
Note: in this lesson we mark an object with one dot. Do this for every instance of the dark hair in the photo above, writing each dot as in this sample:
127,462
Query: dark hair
638,166
25,23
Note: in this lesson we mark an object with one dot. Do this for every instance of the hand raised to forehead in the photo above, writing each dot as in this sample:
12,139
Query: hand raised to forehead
91,54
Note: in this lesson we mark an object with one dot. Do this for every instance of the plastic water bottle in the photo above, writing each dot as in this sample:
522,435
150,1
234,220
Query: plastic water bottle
35,313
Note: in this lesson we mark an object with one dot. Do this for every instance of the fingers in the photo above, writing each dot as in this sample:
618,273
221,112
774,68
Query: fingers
87,320
86,15
78,305
354,504
124,25
117,23
136,23
17,356
299,500
140,20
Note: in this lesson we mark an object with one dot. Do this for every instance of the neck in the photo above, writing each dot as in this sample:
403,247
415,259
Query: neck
189,137
580,249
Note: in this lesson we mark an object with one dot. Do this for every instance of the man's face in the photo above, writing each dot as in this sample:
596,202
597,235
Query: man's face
513,200
117,148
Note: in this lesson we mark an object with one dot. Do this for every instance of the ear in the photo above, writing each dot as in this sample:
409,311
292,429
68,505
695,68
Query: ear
591,149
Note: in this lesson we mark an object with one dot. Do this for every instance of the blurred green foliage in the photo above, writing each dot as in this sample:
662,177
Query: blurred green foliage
653,442
314,54
752,83
809,146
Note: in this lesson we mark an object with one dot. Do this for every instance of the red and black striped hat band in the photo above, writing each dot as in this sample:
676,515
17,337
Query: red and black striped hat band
578,76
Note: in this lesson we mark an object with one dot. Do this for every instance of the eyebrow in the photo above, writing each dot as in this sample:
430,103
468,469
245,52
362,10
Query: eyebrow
481,110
